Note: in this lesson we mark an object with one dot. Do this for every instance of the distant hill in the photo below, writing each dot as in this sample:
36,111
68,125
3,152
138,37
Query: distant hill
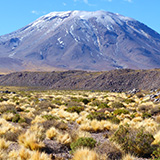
116,80
80,40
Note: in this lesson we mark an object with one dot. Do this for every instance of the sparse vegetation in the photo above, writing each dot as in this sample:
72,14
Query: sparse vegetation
94,124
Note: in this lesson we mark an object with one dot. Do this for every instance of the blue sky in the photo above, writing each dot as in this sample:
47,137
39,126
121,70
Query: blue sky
15,14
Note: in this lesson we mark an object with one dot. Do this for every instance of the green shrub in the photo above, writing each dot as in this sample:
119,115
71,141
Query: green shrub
83,142
77,109
16,118
100,104
85,100
134,141
97,115
118,105
120,111
103,105
49,117
114,119
128,101
156,153
22,120
102,116
146,115
3,99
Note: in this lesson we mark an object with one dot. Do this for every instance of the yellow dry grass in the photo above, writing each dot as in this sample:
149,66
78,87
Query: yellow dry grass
30,140
85,154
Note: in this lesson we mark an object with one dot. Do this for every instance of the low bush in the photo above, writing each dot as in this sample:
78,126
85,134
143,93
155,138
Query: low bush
128,101
16,118
103,105
120,111
102,116
83,142
85,100
118,105
113,119
97,115
156,153
109,151
134,141
146,115
49,117
77,109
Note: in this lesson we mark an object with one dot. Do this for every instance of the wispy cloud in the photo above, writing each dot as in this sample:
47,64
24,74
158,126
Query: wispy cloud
37,12
129,1
84,1
64,3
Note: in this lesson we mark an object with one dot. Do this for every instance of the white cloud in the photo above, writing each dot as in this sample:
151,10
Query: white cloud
64,4
129,1
38,12
85,1
35,12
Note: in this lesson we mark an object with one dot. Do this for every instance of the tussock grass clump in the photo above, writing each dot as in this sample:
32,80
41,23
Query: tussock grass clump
26,154
85,154
8,108
11,136
52,133
128,157
97,126
61,137
54,123
4,144
30,141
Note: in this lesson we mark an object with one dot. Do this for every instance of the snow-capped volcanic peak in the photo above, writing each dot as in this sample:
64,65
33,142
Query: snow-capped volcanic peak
100,15
82,40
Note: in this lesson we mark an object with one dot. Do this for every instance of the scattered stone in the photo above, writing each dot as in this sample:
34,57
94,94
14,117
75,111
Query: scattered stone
134,91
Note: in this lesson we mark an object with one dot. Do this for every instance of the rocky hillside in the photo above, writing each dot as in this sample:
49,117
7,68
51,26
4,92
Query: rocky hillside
116,80
92,41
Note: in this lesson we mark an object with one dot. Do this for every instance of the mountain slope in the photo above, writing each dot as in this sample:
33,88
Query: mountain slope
117,80
81,40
